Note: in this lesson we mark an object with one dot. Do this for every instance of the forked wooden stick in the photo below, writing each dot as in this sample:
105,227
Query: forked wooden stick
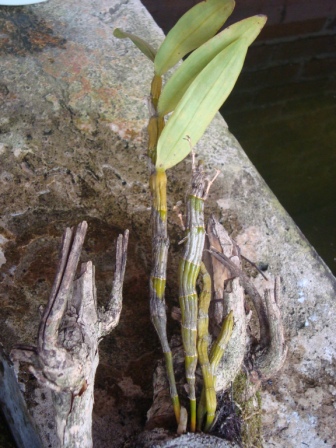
66,357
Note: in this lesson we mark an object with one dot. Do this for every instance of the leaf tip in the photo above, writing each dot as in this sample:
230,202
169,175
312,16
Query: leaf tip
263,18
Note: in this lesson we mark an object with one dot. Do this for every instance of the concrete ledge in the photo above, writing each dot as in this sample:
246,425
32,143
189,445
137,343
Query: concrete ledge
72,147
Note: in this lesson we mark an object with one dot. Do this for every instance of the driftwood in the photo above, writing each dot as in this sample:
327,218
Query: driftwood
226,252
66,357
266,357
14,407
269,353
249,359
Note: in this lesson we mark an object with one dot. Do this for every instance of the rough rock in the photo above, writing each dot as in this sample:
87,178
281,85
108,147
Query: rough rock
161,439
73,115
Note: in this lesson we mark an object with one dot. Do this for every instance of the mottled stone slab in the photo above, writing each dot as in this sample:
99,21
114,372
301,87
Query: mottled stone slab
72,131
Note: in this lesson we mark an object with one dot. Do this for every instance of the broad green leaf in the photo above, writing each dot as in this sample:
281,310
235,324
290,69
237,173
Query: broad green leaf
200,58
194,28
199,104
143,46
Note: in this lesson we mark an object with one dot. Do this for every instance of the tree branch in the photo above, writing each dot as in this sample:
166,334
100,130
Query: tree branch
109,319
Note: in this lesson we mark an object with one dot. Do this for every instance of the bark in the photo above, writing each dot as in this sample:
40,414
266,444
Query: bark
229,256
267,357
233,358
66,357
272,359
228,296
269,360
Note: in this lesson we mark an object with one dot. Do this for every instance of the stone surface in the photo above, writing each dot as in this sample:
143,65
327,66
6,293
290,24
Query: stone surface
72,131
161,439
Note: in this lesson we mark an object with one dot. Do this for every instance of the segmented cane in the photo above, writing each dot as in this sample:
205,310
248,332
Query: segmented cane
205,406
208,401
160,245
188,271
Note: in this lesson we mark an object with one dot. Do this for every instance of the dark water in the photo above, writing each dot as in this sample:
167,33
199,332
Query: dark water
296,155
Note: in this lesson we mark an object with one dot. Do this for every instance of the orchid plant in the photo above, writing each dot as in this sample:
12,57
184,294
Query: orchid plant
192,95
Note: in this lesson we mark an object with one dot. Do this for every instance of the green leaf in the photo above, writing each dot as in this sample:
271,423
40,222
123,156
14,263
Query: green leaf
182,78
143,46
194,28
199,104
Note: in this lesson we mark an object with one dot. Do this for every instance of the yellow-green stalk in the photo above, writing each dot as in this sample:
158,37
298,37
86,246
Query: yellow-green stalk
188,271
218,348
216,354
203,341
160,245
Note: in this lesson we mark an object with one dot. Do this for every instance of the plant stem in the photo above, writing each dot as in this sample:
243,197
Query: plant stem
160,243
218,348
202,349
188,271
158,182
216,353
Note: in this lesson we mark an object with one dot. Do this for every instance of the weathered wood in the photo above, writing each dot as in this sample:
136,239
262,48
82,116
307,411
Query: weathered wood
270,353
220,272
233,358
228,296
228,256
71,328
271,360
14,407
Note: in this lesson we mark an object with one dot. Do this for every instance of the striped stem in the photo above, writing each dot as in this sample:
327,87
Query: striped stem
160,247
160,243
203,341
188,271
216,354
218,348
